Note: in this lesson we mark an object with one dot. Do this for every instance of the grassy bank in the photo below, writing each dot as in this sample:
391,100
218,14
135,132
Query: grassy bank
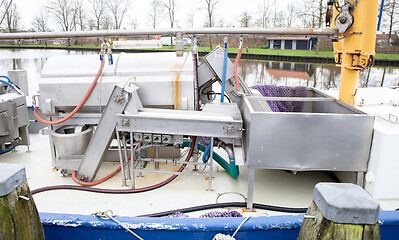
303,53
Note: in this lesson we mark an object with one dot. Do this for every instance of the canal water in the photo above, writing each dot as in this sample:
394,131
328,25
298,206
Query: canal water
320,76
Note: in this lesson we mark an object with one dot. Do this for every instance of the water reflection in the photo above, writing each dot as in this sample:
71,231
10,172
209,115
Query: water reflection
253,72
311,75
32,61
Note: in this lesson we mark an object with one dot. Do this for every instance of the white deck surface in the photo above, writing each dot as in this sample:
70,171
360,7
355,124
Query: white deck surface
271,187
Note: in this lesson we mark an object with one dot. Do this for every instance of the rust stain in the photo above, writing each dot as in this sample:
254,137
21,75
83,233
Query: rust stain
177,92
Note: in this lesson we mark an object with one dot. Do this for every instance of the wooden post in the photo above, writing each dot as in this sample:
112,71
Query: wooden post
19,218
341,211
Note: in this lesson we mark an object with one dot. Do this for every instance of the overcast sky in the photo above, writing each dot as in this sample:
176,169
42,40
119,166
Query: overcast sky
227,10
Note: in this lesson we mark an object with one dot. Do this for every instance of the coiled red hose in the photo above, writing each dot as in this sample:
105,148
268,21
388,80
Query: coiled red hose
85,97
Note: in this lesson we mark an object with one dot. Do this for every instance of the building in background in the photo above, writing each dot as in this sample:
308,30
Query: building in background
293,43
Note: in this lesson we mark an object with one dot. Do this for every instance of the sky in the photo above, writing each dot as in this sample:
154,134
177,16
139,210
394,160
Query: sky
228,10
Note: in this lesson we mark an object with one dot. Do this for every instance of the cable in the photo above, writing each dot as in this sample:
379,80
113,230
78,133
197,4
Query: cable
9,83
6,77
119,191
7,150
228,98
85,97
227,204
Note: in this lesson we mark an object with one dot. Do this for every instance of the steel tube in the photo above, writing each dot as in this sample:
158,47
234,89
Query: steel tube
168,31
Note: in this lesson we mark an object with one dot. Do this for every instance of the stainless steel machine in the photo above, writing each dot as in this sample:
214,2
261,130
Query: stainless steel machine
152,100
13,110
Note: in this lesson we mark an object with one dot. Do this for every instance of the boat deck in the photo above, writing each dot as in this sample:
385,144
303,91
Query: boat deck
272,187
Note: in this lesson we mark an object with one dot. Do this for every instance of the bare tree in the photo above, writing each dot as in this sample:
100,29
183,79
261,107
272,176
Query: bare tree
156,13
64,13
312,12
391,18
10,16
40,22
210,6
107,23
291,14
97,12
170,6
133,23
190,18
245,19
210,9
80,13
264,14
118,9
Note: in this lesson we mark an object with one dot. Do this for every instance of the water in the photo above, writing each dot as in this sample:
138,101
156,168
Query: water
253,72
320,76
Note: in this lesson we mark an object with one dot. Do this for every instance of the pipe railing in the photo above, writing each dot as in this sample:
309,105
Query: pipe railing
322,32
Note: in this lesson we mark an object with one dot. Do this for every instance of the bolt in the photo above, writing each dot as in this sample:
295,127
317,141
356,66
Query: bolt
83,178
342,19
125,122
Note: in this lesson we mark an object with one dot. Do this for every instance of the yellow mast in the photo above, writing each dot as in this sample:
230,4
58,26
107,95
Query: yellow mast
355,49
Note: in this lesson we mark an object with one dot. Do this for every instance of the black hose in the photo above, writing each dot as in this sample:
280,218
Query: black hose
227,204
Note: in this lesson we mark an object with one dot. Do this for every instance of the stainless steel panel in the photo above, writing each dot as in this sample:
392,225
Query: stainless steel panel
308,141
178,122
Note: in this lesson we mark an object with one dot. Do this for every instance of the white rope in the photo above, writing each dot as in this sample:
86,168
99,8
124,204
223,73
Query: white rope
109,215
221,236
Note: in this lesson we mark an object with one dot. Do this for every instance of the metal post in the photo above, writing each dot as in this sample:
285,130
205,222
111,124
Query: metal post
120,155
360,179
126,157
156,156
210,165
140,162
251,179
132,177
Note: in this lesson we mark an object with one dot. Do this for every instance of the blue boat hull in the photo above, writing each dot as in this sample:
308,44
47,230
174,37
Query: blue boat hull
72,226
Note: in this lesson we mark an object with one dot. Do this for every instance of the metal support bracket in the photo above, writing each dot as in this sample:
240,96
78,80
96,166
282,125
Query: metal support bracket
102,138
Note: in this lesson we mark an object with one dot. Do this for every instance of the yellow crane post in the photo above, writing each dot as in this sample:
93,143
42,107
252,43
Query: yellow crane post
356,21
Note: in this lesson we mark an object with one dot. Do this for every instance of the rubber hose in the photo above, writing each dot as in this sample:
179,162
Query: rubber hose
228,204
224,72
76,109
7,150
118,191
231,168
237,80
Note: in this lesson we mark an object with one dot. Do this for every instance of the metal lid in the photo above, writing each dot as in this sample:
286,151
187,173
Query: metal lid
11,176
346,203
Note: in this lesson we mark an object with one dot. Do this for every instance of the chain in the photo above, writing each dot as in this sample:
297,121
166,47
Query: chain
109,215
352,6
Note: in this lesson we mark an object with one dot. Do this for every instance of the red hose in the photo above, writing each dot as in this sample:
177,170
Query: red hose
85,97
119,191
88,184
236,66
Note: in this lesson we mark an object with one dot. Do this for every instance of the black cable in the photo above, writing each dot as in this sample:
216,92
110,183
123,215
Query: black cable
225,96
227,204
